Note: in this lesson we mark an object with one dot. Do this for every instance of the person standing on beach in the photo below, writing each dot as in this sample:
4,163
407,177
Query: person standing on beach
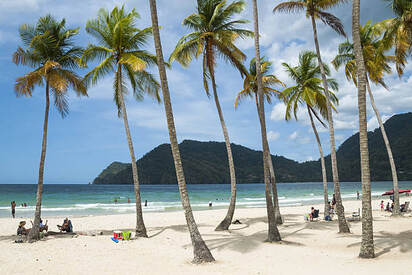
13,209
357,195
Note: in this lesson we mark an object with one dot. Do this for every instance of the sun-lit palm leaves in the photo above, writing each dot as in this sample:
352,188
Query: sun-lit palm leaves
215,33
51,52
308,89
315,8
374,54
268,81
398,32
120,43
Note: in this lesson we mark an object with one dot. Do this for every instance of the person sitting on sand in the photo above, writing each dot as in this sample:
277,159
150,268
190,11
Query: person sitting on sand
43,227
387,207
312,213
66,226
21,230
403,207
392,207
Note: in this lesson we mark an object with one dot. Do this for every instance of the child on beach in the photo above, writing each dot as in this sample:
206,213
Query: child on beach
382,206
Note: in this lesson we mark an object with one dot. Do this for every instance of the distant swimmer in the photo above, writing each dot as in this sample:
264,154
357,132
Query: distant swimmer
210,204
115,200
128,200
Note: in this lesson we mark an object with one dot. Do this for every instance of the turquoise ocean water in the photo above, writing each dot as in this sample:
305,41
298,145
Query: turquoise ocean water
83,199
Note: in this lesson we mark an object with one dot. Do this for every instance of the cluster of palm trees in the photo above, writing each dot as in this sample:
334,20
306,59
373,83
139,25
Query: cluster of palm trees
215,28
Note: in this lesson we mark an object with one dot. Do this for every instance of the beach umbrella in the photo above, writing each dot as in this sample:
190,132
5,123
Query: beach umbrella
388,193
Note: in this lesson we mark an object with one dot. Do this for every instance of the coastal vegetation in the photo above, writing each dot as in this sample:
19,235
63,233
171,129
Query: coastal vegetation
218,26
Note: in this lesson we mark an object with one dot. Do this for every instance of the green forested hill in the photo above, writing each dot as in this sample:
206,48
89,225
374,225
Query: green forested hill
206,162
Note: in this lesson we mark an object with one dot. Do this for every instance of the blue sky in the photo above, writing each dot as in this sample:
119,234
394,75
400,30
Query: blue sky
92,136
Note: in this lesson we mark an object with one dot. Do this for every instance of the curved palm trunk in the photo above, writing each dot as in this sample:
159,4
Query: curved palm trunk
322,163
273,232
140,227
278,216
200,250
34,232
396,207
367,247
224,225
343,225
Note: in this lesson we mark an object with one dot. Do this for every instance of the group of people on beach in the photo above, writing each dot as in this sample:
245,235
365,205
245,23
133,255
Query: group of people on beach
13,208
65,227
389,206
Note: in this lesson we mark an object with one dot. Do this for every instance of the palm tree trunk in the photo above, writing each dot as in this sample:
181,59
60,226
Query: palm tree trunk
224,225
367,248
140,227
343,225
322,163
200,250
278,216
396,207
273,232
34,232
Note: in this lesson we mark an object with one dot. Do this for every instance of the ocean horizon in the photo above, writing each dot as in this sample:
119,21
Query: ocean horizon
86,199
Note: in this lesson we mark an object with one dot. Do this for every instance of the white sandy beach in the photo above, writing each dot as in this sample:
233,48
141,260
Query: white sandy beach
307,247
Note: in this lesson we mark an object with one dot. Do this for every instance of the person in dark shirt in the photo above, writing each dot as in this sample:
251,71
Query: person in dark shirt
13,209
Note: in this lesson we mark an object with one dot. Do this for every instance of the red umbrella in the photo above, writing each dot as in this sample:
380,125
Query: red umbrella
388,193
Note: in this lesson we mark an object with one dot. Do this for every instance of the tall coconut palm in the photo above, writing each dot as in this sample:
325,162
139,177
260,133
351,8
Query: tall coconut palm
376,64
215,33
250,90
50,51
273,232
308,91
200,250
399,31
315,10
120,51
367,247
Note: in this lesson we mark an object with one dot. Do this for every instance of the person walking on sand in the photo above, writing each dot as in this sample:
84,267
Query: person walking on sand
357,195
13,209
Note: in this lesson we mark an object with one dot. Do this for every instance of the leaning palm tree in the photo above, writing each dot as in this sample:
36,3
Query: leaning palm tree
308,91
399,31
315,10
215,33
250,90
120,51
50,51
273,232
376,64
367,248
200,250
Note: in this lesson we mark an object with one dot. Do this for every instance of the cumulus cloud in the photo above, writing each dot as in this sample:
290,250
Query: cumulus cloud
273,135
294,135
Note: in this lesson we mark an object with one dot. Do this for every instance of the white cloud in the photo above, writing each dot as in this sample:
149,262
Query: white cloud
278,112
373,122
273,135
294,135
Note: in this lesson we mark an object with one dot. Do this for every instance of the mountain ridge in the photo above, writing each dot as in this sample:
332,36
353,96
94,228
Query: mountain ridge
206,162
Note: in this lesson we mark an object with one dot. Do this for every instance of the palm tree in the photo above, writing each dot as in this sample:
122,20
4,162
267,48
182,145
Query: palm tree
399,31
315,10
376,64
250,90
120,51
200,250
273,232
308,91
214,34
50,51
367,248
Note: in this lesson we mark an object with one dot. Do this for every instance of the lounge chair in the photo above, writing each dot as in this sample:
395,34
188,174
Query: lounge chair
406,207
356,216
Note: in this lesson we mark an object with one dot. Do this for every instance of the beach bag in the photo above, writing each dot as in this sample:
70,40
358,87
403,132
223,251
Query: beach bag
127,235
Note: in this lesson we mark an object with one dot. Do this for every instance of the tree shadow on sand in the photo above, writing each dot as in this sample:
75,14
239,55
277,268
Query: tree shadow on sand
386,241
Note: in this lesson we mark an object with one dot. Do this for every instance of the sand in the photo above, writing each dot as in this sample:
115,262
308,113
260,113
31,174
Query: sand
306,248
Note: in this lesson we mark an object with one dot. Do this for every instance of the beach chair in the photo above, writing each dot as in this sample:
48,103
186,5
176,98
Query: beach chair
356,215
